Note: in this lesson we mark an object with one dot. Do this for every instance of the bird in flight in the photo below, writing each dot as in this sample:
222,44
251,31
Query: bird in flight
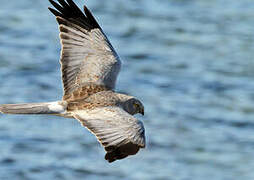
90,67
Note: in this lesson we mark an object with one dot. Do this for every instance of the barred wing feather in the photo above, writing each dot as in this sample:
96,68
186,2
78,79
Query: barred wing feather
87,56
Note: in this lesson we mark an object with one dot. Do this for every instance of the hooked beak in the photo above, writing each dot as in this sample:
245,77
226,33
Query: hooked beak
142,112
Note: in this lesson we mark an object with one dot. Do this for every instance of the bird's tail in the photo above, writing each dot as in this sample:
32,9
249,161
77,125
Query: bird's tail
57,107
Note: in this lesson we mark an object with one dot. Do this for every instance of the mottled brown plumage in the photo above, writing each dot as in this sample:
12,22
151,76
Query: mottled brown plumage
100,99
84,92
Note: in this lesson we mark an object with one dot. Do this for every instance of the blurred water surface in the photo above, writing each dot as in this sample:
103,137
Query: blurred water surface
189,61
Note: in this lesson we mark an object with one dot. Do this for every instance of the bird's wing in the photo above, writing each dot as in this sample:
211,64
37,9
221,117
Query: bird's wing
120,133
89,63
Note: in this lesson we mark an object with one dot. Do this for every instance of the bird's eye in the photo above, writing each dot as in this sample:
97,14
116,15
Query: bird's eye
136,105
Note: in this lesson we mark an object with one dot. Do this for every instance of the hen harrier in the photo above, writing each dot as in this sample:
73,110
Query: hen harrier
90,67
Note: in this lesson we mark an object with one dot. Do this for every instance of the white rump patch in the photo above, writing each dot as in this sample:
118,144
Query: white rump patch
56,107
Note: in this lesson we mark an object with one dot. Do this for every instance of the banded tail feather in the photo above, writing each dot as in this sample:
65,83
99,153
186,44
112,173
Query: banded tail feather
57,107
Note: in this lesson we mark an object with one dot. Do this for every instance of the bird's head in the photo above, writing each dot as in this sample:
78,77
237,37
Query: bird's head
134,106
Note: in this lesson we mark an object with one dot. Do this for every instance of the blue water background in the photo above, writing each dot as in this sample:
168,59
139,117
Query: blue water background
191,62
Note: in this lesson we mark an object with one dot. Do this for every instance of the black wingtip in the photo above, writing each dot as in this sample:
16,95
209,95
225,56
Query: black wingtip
91,17
68,10
116,153
53,11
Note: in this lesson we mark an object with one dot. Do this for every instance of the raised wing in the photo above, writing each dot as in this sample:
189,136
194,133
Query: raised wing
120,133
88,61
